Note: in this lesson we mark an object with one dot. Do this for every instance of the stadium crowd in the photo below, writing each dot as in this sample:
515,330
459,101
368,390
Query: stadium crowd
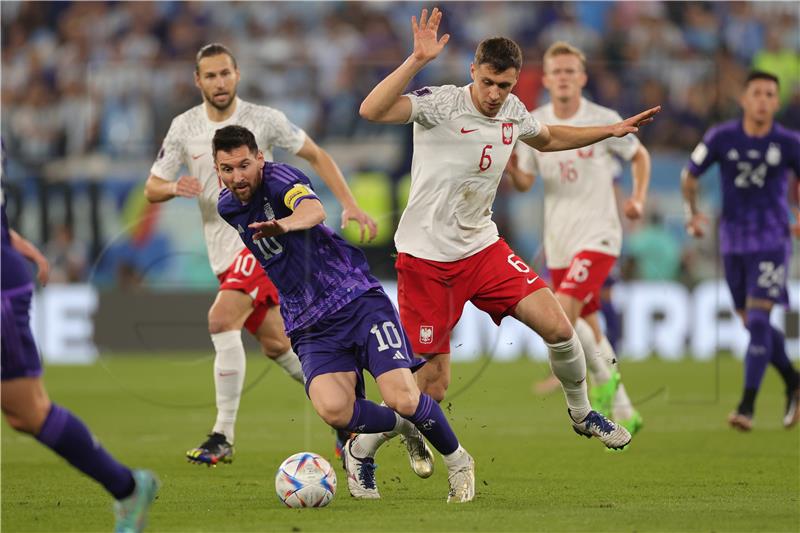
88,78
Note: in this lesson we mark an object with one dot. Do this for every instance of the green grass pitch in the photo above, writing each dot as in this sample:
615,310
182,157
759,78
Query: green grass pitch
686,471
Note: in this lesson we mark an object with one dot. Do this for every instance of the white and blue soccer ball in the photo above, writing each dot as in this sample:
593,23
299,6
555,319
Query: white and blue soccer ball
305,480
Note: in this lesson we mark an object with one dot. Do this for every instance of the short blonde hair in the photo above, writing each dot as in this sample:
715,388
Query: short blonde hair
562,48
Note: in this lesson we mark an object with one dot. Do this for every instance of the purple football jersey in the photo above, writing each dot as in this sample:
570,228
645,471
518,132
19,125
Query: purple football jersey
315,271
754,171
14,270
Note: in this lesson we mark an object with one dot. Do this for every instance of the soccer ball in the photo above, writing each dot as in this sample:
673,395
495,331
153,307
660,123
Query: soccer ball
305,480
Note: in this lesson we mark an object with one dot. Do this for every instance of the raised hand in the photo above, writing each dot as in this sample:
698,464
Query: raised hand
363,219
187,187
426,44
270,228
695,225
632,124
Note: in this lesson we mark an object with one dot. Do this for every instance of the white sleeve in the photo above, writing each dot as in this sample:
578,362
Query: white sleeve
527,158
625,147
283,133
171,155
431,106
528,125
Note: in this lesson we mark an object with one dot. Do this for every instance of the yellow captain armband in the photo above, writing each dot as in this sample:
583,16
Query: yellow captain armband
299,190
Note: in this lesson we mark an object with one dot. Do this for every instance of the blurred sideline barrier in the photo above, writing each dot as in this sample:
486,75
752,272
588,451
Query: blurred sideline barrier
73,324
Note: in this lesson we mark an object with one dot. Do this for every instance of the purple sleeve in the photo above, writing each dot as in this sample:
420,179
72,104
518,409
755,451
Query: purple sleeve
704,155
288,186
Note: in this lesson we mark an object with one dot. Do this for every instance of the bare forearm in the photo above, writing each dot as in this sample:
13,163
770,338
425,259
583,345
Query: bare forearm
384,97
640,168
521,180
569,137
26,248
327,169
307,214
158,190
689,188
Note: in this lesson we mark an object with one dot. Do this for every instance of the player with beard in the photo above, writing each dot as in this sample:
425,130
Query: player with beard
246,296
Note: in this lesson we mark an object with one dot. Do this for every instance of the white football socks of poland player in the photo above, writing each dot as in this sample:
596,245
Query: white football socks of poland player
569,366
229,368
367,444
622,408
599,371
290,363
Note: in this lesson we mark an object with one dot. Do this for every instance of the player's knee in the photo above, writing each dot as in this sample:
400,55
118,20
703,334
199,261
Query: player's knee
273,348
437,389
404,403
560,331
334,412
217,323
29,422
757,318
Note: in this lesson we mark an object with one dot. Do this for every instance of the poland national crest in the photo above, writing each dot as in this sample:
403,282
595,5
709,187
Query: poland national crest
508,132
426,334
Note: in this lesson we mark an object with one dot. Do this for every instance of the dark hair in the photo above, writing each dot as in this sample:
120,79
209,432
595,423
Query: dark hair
761,75
229,138
210,50
499,52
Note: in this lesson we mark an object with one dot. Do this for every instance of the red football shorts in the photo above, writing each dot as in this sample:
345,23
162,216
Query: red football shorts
431,294
246,275
583,278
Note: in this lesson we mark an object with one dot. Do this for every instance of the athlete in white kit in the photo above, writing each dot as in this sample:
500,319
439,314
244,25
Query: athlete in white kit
583,234
246,297
449,251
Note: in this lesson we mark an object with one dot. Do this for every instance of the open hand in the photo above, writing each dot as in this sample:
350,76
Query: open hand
187,187
695,225
631,125
269,228
426,45
363,219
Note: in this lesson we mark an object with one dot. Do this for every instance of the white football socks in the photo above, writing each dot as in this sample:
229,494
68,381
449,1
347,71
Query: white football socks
622,407
367,444
457,459
569,366
229,368
598,369
290,363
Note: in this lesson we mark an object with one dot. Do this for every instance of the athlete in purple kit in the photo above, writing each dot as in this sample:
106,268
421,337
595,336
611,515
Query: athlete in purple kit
336,314
755,155
26,405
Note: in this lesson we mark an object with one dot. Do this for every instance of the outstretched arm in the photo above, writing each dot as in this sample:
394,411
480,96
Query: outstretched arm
386,103
32,253
327,169
308,213
556,138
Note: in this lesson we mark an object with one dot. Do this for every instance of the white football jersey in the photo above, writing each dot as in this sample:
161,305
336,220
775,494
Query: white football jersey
459,157
580,207
188,142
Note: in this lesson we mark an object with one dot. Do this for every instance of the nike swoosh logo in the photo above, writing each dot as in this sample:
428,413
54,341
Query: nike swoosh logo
468,131
198,156
224,374
532,281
